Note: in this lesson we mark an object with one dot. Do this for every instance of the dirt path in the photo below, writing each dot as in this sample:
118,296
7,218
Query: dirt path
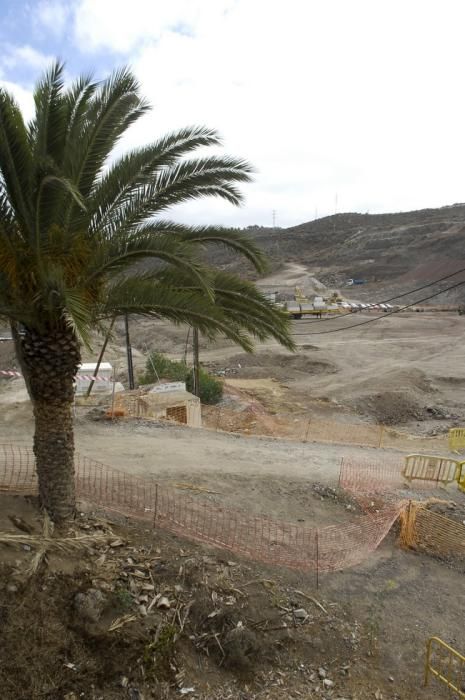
166,451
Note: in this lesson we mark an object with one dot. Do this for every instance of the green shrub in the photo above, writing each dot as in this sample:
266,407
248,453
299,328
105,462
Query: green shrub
160,367
211,388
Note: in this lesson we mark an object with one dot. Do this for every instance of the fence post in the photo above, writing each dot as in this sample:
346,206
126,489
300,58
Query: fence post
381,435
113,396
308,430
340,472
317,562
155,506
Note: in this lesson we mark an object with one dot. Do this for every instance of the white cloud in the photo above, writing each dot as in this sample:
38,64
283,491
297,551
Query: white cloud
24,56
361,99
53,15
121,26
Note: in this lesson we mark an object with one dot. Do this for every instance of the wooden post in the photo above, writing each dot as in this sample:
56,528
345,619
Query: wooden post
100,357
155,506
308,429
381,435
317,562
340,472
195,345
186,345
113,396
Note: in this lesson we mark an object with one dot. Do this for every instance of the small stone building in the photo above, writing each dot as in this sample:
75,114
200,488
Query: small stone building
164,401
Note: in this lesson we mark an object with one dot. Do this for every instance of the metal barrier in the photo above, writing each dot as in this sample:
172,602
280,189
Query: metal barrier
456,439
446,664
432,468
461,478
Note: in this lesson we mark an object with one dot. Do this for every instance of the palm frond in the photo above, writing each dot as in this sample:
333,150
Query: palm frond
231,239
135,169
47,130
137,295
241,302
16,162
122,254
115,105
190,179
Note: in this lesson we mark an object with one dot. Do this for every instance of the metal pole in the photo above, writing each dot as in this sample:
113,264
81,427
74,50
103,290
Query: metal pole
195,346
129,353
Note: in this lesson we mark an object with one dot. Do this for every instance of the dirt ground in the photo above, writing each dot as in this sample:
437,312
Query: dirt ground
229,629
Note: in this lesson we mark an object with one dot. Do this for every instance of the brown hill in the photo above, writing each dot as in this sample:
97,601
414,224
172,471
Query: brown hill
400,250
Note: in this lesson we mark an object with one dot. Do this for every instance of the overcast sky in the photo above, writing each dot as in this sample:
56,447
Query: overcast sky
354,104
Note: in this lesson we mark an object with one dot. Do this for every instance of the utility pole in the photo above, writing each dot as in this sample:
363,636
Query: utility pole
274,218
129,353
184,359
195,347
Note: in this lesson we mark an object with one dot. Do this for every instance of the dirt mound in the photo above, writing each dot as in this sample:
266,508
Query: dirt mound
276,365
391,407
451,509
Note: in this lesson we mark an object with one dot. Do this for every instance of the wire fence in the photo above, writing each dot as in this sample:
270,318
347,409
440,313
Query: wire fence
253,420
318,549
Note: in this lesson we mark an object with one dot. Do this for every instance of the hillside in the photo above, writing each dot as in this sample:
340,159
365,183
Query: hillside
398,250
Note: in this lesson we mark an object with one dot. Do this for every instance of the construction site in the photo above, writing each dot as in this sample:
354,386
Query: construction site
320,505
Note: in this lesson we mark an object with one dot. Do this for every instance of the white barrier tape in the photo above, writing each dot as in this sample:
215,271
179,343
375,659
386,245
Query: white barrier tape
88,378
78,377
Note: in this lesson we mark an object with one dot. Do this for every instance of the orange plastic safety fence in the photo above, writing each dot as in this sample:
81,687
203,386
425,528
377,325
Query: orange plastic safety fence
423,529
261,538
254,420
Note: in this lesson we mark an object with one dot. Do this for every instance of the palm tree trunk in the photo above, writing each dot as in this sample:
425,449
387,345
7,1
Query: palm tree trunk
51,360
54,453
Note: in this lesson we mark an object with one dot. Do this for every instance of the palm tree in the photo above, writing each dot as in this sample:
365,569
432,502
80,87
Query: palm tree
75,224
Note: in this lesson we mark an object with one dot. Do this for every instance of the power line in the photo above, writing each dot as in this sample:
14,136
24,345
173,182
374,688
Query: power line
385,315
398,296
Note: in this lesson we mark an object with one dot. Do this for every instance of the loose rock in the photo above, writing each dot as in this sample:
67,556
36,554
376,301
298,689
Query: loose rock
90,604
